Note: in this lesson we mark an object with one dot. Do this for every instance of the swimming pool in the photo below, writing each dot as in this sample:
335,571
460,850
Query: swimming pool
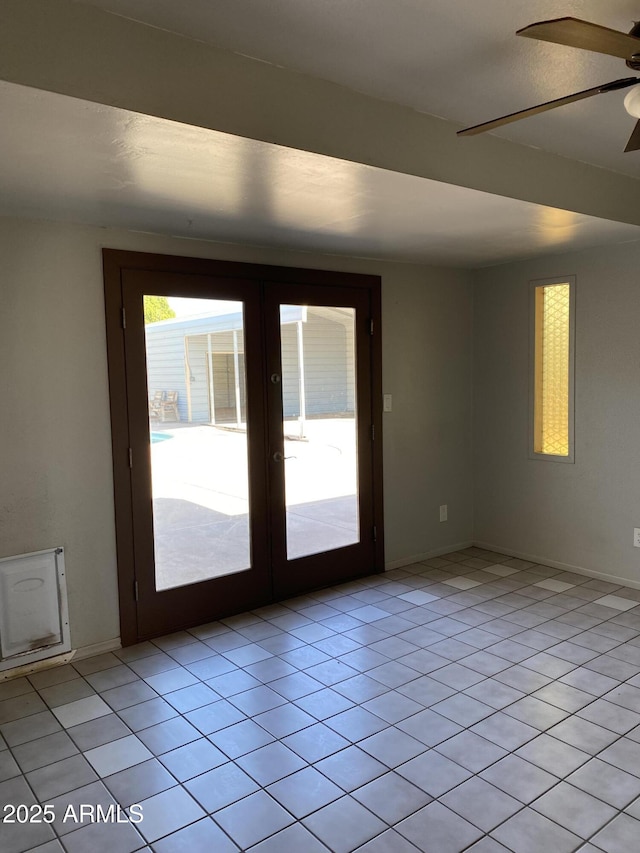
159,436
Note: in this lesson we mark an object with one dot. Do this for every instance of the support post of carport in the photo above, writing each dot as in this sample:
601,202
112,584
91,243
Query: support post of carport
236,373
301,387
187,363
212,398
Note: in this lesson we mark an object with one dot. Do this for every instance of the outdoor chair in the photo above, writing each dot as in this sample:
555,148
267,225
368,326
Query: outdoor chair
169,407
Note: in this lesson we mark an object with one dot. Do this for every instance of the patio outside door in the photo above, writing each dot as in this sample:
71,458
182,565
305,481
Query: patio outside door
248,471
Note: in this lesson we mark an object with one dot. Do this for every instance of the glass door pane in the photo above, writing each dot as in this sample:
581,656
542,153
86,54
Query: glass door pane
198,439
320,436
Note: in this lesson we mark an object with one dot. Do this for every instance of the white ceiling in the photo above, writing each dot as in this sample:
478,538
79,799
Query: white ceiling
67,159
458,59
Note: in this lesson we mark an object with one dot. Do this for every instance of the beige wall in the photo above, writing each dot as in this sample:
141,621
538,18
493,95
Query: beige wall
427,364
581,514
56,484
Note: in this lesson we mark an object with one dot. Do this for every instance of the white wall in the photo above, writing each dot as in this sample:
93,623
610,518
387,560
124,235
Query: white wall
581,514
151,71
56,484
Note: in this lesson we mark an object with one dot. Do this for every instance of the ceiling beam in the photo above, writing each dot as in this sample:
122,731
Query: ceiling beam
66,47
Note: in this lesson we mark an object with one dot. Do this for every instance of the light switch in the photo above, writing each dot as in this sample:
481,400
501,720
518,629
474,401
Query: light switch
386,403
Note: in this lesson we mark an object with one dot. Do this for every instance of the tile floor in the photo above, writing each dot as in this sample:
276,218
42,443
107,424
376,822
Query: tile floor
471,702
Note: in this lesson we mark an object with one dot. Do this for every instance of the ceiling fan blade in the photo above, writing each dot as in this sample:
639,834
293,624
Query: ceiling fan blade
583,34
548,105
634,140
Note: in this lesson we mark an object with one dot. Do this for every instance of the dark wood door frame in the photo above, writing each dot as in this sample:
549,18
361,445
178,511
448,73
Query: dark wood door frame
116,264
253,586
298,575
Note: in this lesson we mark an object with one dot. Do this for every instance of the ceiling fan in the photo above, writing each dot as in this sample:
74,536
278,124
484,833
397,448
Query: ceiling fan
587,36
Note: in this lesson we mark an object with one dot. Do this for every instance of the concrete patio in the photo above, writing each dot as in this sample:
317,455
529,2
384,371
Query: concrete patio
200,496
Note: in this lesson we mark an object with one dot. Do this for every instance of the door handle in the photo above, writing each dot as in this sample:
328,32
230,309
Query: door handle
278,457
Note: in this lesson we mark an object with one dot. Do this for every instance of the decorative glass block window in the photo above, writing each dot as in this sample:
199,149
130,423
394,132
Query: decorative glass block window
552,343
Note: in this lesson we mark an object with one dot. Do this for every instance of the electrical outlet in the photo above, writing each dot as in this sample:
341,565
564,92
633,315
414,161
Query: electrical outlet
636,537
443,512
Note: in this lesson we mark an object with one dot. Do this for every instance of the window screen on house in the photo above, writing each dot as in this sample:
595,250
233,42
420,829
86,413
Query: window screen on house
553,369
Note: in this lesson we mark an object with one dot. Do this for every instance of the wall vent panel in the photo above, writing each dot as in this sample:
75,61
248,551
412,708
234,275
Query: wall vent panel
34,622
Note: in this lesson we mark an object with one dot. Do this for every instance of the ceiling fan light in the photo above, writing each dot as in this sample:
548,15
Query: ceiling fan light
632,102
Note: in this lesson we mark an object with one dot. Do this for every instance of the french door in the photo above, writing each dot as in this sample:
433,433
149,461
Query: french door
246,462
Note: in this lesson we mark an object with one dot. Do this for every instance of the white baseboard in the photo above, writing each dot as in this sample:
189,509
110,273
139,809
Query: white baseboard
555,564
427,555
98,648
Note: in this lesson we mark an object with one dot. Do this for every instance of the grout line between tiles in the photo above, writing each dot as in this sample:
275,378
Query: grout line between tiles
378,583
